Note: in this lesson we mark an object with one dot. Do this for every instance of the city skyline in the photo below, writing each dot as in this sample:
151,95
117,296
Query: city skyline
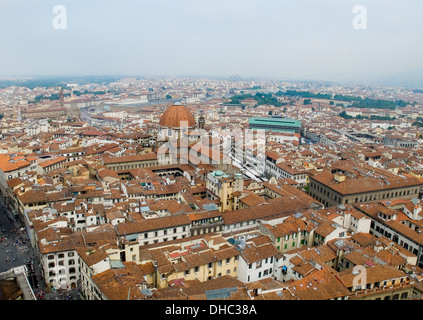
270,39
212,151
193,189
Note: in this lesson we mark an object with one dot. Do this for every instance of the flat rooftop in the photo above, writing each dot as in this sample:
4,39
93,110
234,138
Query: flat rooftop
274,123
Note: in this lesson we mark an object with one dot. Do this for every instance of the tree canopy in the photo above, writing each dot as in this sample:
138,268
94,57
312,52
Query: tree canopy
261,98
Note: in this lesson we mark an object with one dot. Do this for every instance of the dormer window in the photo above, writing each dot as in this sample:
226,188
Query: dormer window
385,217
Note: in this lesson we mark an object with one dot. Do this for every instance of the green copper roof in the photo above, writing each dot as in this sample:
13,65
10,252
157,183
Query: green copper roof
275,121
275,124
219,173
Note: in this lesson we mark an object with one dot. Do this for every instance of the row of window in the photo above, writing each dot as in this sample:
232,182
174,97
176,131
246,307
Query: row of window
207,221
61,255
241,224
397,296
63,280
302,242
135,166
210,265
36,204
165,232
383,196
395,238
258,264
61,263
260,274
70,271
364,198
209,277
294,236
163,240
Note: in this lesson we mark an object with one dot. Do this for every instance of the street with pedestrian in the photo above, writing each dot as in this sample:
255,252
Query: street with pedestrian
16,250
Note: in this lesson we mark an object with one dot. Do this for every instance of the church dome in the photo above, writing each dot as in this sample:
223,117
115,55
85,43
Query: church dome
175,114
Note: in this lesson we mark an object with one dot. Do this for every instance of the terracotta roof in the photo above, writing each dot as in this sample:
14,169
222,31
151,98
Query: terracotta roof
362,185
251,253
132,158
364,239
91,256
174,115
7,166
51,162
122,283
372,210
252,200
152,224
378,273
103,173
279,206
320,285
32,196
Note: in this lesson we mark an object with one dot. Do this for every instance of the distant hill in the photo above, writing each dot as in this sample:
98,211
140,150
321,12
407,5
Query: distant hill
49,82
408,79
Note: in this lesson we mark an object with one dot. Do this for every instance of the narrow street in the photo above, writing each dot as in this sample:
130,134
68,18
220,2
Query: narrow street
15,247
16,250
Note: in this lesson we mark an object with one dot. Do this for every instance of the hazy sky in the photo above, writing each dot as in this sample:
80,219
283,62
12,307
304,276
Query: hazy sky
268,38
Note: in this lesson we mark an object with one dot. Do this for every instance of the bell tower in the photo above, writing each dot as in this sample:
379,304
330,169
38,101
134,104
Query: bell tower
201,122
62,98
